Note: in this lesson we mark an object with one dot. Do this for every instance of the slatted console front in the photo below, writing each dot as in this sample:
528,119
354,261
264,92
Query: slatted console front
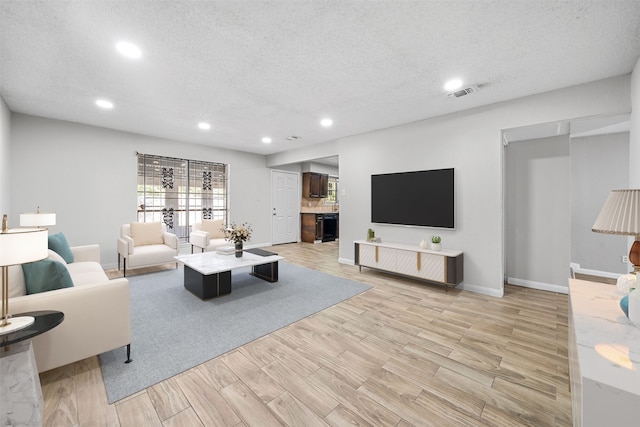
445,266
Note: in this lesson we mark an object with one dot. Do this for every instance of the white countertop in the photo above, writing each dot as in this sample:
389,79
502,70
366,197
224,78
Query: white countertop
608,343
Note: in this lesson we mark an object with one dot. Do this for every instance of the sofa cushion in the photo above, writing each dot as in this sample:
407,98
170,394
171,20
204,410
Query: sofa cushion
45,275
17,287
85,273
213,227
146,233
56,257
58,243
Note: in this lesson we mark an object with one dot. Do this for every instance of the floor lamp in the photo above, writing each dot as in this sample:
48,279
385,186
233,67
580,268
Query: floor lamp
621,215
18,246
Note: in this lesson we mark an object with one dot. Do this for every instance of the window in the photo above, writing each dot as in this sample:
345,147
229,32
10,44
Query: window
332,191
180,192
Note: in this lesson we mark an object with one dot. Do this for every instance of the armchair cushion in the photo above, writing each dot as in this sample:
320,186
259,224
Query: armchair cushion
58,243
46,275
213,227
147,233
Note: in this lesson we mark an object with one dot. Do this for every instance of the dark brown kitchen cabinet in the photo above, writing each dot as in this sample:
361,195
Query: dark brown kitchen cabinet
319,227
312,229
315,184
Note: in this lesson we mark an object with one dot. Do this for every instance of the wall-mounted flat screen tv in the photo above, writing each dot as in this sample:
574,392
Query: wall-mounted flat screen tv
421,198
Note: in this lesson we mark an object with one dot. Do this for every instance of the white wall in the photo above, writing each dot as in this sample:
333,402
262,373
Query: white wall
538,212
634,134
88,176
303,154
470,142
599,164
5,160
319,168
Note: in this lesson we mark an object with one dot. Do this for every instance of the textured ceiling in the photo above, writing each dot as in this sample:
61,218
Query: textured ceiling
256,68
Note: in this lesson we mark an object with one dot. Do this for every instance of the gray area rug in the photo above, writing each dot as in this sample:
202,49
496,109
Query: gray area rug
173,330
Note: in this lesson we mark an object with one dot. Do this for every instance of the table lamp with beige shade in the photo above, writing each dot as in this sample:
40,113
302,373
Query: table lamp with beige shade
37,219
18,246
621,215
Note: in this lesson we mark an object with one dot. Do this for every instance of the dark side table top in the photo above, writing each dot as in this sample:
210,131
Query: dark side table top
44,321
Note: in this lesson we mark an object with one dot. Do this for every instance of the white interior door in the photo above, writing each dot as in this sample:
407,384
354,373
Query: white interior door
285,200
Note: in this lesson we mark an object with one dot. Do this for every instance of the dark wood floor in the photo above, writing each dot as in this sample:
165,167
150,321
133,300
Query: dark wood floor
401,354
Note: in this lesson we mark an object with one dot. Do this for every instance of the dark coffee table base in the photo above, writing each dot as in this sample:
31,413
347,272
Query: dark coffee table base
268,272
218,284
209,286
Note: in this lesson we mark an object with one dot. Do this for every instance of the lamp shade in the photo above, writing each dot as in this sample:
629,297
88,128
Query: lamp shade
620,214
37,219
21,245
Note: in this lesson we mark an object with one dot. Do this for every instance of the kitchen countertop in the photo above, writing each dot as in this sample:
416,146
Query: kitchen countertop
319,212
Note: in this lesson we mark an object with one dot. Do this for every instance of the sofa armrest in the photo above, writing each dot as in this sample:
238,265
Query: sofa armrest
125,246
171,240
97,318
86,253
199,239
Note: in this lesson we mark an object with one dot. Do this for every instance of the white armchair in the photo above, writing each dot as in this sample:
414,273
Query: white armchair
144,244
208,235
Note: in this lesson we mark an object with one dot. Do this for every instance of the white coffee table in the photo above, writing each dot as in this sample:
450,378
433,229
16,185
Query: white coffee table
208,274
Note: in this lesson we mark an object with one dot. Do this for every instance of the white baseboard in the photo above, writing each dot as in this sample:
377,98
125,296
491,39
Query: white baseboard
539,285
346,261
497,293
576,269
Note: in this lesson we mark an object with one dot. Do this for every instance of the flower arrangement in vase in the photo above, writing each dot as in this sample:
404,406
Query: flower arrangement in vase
238,234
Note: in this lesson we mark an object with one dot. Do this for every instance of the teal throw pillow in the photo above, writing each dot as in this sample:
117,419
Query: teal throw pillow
58,244
46,275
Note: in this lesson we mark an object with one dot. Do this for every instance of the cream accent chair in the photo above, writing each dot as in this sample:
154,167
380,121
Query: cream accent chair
144,244
208,235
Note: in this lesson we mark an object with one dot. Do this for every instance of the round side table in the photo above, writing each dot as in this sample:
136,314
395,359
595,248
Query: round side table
18,367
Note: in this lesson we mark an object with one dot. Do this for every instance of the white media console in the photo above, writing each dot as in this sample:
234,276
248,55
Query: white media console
445,266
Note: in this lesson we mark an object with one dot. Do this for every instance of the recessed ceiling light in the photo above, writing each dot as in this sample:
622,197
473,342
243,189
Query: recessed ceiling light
326,122
204,126
129,50
266,140
103,103
453,84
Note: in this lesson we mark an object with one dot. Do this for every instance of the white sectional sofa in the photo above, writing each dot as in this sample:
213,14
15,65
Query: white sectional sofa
96,311
208,235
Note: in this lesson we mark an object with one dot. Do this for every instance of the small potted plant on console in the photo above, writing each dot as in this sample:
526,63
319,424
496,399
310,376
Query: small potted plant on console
435,243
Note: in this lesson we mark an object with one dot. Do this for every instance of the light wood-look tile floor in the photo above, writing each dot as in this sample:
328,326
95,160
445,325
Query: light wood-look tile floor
401,354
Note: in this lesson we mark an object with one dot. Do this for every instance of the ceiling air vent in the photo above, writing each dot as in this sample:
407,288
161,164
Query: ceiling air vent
293,138
462,92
